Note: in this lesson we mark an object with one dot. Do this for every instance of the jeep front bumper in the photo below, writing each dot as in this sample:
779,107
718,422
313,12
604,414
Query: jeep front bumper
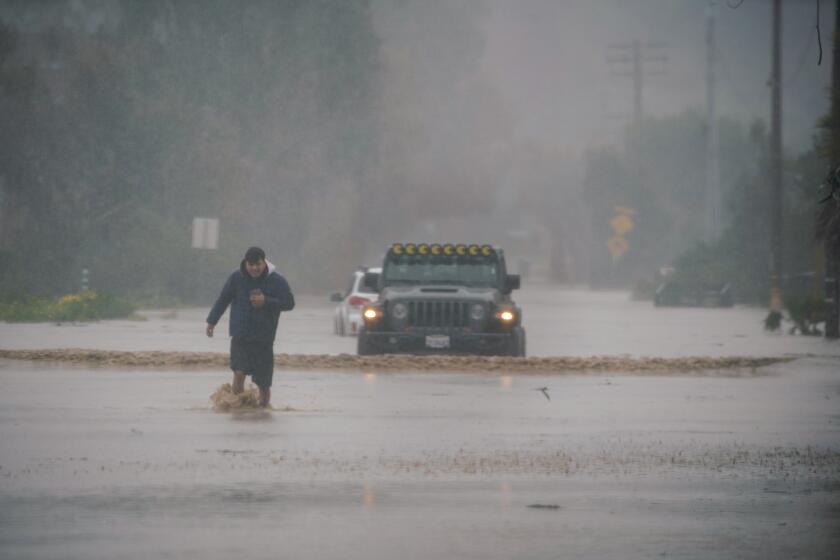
438,342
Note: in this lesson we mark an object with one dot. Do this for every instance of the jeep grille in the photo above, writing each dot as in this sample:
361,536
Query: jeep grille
438,313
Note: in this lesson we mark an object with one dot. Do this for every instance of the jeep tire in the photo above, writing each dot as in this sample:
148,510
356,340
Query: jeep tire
363,345
517,343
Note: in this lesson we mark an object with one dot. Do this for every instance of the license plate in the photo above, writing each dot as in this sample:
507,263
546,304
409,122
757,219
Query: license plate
437,341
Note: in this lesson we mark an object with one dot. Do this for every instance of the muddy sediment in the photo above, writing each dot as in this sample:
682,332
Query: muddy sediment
707,365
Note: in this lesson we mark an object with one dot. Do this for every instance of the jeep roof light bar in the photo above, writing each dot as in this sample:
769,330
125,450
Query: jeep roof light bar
448,249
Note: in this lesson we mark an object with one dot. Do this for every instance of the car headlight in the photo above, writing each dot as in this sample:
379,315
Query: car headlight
370,313
477,311
506,315
399,311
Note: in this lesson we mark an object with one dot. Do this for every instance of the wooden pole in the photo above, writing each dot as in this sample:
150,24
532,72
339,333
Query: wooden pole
776,243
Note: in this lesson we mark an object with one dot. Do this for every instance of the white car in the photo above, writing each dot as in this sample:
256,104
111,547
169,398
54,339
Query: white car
348,312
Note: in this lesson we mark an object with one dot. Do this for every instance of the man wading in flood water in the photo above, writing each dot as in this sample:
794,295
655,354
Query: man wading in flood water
256,295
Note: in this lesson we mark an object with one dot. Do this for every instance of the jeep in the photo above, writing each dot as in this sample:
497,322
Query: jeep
448,299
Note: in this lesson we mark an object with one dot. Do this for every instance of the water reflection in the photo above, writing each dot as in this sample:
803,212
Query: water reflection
505,492
261,415
368,496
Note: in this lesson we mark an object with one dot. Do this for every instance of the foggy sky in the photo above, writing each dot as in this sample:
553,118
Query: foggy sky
549,59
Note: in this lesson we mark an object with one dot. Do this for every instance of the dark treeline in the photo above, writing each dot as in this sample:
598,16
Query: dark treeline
288,121
123,124
660,174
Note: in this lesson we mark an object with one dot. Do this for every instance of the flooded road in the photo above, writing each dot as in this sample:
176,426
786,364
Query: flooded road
134,464
559,322
102,462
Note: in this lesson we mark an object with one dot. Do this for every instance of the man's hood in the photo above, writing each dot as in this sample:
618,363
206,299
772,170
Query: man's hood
269,268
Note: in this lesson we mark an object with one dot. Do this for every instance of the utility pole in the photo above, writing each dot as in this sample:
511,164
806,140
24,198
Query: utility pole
637,55
637,83
832,248
713,220
776,246
640,54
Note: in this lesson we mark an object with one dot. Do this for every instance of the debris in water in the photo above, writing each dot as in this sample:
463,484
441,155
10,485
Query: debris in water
225,400
544,506
544,392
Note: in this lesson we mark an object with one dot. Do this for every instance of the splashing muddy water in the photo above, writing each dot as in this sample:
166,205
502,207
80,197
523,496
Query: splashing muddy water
225,400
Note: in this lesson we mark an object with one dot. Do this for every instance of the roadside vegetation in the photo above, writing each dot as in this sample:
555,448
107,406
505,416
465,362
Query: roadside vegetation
660,176
741,255
185,109
84,306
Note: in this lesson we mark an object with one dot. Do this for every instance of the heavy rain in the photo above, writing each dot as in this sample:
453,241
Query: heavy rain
564,279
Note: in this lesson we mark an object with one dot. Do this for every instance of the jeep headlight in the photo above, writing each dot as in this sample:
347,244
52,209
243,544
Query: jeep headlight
506,316
399,311
477,311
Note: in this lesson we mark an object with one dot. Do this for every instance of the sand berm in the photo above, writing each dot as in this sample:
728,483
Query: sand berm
698,365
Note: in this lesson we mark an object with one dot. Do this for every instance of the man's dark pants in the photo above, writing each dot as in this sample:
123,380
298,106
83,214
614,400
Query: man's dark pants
254,358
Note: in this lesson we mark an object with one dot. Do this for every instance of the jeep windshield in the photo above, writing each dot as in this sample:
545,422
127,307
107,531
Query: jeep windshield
478,271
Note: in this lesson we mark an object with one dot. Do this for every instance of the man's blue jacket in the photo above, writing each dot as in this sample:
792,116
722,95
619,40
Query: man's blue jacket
248,322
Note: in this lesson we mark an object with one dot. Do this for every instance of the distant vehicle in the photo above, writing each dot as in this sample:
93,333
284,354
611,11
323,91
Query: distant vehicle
348,313
684,293
450,299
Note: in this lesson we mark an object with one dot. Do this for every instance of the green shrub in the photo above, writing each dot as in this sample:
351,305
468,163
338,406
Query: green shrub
84,306
25,310
806,313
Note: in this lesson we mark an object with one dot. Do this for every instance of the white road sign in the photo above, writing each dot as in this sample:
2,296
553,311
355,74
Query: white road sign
205,233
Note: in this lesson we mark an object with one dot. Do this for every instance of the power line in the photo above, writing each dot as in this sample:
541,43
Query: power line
819,39
637,58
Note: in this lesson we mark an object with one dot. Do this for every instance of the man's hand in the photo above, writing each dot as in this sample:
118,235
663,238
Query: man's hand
257,298
210,330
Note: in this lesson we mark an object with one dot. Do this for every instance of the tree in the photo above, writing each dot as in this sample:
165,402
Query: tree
127,119
660,176
828,220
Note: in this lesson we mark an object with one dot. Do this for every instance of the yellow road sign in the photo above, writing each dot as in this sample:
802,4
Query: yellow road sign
622,224
617,246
